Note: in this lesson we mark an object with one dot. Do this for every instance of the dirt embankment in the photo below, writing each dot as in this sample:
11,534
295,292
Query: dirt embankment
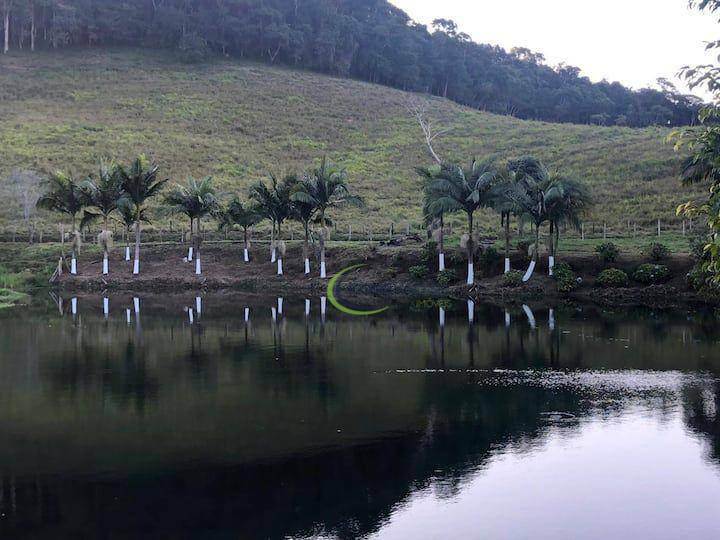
163,269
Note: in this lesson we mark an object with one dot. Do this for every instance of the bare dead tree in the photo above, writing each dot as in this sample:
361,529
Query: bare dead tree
25,188
418,109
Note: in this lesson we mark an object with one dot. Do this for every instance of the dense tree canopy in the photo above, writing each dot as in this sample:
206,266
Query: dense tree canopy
366,39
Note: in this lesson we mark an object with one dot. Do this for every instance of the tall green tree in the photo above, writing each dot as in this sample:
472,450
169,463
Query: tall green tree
244,216
567,201
325,187
453,188
65,195
140,184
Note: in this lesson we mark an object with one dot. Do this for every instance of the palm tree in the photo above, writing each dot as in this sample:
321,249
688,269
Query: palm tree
196,200
140,184
566,200
273,202
65,195
102,194
453,188
126,212
505,205
245,216
528,193
434,220
324,187
304,212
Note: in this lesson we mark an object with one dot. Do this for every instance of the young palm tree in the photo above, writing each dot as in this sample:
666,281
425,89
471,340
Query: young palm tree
453,188
324,187
140,183
566,200
244,216
434,219
65,195
126,213
196,200
505,205
304,212
532,180
102,195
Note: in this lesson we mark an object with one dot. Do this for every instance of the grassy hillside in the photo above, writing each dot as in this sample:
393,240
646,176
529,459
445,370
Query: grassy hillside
239,121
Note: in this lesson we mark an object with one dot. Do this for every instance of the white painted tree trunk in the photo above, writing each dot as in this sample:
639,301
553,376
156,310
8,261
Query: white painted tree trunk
280,306
136,305
307,307
323,273
307,266
198,305
530,316
247,314
551,265
127,316
136,267
106,307
441,262
191,316
471,311
471,274
442,316
190,254
127,253
73,306
273,255
246,255
279,267
73,266
529,272
106,265
507,265
198,266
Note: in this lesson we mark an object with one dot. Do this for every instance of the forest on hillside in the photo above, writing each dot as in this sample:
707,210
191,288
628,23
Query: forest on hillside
365,39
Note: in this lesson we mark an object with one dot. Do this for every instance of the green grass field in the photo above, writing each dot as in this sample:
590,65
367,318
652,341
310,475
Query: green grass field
240,121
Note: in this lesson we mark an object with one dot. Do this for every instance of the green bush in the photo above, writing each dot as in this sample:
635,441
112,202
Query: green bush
608,252
650,274
613,277
657,251
192,49
429,252
446,277
697,242
512,279
489,257
523,247
419,272
565,278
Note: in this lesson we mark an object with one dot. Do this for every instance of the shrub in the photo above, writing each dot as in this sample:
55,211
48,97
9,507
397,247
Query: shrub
512,279
698,240
697,278
193,49
489,257
608,252
613,277
565,278
657,251
419,272
429,252
650,274
446,277
524,247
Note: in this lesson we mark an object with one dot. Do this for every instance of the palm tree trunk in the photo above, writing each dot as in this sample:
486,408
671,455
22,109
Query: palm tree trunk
323,270
73,256
306,249
246,250
273,251
470,252
191,248
441,245
198,241
551,256
136,263
533,262
127,244
507,243
106,263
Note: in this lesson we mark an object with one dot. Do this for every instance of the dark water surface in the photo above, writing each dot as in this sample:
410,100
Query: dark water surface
579,424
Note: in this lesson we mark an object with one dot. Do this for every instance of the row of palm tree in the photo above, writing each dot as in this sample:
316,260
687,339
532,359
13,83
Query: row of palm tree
523,188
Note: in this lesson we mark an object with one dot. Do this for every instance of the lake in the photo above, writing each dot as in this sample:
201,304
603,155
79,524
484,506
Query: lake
253,417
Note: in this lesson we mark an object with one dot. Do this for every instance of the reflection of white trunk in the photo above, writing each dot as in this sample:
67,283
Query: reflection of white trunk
551,319
73,266
246,255
529,272
507,265
136,304
127,316
73,306
279,267
441,262
530,316
190,254
136,267
247,314
127,253
191,316
551,265
307,266
442,316
106,265
198,305
323,274
280,306
507,319
273,255
106,307
471,311
198,266
471,274
307,307
323,307
273,310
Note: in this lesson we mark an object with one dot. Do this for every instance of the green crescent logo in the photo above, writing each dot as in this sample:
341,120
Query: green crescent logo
335,302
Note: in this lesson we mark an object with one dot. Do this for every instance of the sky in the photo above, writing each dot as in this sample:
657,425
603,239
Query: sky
631,41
